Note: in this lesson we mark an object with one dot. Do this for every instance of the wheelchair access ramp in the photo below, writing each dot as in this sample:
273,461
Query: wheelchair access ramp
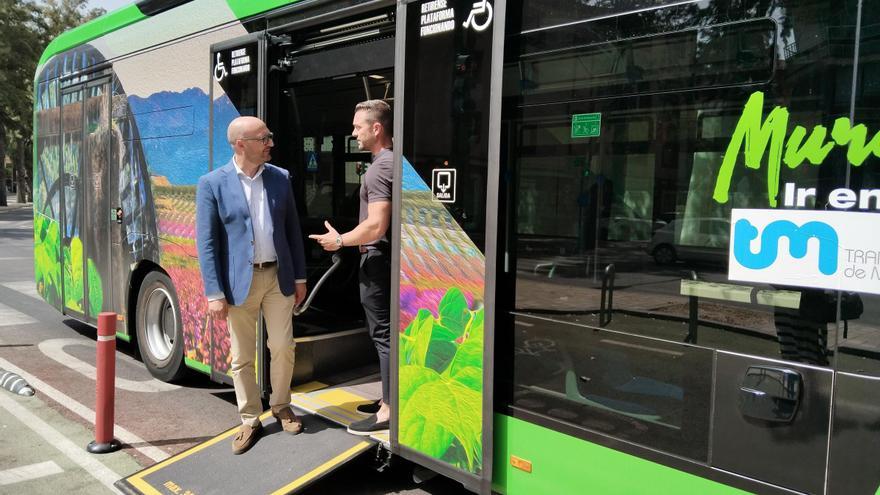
278,463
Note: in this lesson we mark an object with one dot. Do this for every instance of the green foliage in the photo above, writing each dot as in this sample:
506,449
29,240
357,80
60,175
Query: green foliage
71,264
96,291
441,379
47,270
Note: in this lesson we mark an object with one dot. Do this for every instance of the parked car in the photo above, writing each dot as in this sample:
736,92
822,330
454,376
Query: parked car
691,239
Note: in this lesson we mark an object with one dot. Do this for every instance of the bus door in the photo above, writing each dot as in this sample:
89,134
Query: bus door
235,68
446,143
316,74
87,197
101,198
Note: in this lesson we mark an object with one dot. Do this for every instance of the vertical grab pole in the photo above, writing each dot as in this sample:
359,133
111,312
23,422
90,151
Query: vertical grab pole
105,388
606,313
693,315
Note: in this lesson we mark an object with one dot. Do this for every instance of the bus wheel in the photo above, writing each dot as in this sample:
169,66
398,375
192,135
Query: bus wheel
159,331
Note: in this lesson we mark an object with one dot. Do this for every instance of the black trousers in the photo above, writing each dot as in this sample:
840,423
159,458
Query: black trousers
375,288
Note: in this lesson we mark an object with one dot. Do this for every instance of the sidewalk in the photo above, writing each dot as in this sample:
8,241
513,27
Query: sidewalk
13,205
47,453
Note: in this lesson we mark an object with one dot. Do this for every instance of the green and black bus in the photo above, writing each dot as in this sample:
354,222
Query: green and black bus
605,281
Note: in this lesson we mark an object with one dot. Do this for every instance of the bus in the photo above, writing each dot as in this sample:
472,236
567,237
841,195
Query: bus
604,278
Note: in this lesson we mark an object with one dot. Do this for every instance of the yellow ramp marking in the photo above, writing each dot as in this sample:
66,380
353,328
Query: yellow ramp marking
323,468
137,480
342,399
335,404
325,409
308,387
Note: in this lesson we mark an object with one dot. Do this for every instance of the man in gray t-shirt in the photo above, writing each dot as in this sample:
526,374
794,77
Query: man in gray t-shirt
376,186
372,128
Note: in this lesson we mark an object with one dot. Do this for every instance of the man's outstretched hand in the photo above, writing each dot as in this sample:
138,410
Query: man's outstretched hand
328,240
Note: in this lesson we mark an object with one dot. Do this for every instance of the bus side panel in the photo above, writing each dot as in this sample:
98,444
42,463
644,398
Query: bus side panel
552,462
170,106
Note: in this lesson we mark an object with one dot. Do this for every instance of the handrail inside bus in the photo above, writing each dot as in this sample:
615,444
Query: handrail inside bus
298,310
607,313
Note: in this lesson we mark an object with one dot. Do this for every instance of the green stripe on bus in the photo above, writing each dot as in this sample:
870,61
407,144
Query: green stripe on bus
564,464
91,30
247,8
197,365
123,336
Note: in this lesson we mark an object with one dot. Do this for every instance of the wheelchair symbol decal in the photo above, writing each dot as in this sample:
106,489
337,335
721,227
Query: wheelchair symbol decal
219,70
483,7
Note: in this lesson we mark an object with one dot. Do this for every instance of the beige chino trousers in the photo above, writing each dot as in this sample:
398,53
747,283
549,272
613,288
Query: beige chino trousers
242,319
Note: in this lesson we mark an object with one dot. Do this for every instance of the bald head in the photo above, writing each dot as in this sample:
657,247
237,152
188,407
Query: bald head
241,127
251,143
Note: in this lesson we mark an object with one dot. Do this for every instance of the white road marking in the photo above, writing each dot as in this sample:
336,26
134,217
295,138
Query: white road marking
75,453
84,412
54,349
26,287
30,472
9,316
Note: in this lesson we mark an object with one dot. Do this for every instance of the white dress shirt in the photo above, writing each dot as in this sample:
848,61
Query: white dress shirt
261,219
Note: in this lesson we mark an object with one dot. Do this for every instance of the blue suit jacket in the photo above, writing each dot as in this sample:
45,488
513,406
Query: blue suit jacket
224,233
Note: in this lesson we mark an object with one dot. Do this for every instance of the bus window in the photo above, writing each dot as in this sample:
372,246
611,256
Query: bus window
856,350
628,212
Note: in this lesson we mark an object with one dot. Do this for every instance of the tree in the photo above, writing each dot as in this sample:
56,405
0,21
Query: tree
25,30
19,43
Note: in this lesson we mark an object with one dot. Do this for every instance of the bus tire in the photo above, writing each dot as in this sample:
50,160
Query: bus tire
159,328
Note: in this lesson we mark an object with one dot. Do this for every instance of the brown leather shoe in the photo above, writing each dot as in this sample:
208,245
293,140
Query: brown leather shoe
288,421
246,438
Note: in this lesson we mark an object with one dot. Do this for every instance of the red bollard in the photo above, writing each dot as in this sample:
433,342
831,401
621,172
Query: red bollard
105,395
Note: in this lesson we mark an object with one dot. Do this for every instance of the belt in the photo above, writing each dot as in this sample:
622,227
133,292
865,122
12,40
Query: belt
265,264
381,247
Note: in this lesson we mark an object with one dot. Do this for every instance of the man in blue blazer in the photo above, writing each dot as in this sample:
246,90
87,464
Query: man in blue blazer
251,258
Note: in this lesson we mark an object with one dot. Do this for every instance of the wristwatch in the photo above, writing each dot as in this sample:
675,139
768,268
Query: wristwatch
339,240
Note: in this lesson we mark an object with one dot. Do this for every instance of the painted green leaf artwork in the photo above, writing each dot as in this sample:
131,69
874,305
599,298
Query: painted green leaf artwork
96,290
47,271
441,382
73,277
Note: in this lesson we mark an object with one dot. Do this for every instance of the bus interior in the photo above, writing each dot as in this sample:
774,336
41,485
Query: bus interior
315,77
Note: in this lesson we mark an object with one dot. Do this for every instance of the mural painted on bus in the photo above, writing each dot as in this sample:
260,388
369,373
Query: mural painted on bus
441,331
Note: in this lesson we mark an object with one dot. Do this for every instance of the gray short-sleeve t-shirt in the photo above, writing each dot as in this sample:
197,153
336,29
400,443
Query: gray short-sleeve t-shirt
376,185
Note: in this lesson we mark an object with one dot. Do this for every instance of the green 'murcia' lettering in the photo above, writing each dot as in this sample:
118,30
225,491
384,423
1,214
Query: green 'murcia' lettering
753,135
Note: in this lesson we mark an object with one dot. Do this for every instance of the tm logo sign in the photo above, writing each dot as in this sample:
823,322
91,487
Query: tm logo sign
798,237
802,248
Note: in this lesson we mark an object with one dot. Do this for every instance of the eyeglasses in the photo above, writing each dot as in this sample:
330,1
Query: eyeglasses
265,139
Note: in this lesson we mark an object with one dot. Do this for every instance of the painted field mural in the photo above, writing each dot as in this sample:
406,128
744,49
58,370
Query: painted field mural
441,331
159,142
175,214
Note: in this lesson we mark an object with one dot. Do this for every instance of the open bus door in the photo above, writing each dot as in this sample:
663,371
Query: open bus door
447,131
237,82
